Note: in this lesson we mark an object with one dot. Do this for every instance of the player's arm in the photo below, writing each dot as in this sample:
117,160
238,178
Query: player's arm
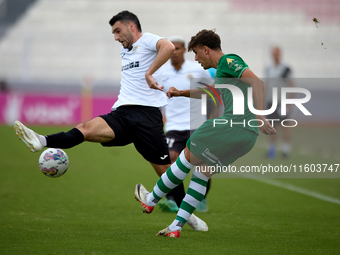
165,49
192,93
258,96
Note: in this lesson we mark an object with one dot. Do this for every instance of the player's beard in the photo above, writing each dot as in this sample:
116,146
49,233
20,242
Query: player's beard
129,41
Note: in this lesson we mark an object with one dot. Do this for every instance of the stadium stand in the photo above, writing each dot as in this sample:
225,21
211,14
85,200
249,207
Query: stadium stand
64,41
11,11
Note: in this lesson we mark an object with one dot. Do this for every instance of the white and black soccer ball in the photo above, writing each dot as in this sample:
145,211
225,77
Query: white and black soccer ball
53,162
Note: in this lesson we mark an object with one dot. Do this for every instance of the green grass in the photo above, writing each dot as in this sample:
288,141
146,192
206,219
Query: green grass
91,209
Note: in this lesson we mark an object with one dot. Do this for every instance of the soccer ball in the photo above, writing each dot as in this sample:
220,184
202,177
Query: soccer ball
53,162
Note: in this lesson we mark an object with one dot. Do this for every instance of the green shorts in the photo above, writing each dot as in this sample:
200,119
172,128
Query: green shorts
221,144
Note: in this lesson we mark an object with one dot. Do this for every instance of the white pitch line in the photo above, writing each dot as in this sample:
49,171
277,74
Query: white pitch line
299,190
306,151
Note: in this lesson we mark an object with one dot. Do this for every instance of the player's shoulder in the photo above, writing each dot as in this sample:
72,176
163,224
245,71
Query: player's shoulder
231,61
149,35
232,57
285,65
149,40
194,67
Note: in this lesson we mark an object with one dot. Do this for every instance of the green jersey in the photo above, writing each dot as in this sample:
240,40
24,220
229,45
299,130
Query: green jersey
229,70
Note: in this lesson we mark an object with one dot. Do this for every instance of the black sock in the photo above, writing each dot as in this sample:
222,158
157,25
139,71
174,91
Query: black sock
65,140
177,194
208,188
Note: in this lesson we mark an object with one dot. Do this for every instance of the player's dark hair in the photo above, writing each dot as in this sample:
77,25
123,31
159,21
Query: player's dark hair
205,38
126,16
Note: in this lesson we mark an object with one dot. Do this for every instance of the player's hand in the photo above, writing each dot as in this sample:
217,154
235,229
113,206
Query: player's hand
173,92
151,82
266,128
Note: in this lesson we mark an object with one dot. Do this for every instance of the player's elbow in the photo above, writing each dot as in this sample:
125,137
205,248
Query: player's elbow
256,83
170,47
166,46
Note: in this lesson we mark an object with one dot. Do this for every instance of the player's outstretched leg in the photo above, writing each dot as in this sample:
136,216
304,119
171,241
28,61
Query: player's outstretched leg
203,206
36,142
195,194
168,181
28,136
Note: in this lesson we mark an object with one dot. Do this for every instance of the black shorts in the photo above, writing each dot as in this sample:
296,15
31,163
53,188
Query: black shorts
177,139
277,113
142,126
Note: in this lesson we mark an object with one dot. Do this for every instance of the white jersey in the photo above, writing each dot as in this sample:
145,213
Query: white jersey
183,113
277,76
134,89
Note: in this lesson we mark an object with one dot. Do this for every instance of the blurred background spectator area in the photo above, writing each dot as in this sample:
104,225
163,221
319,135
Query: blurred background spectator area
64,46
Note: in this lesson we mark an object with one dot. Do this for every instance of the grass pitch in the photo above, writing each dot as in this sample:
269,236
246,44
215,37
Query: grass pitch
92,210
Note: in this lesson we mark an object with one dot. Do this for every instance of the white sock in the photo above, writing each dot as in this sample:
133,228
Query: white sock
151,200
42,140
176,226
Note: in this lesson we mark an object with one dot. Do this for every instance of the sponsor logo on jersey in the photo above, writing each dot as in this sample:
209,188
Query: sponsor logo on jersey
130,65
230,60
134,49
190,76
233,63
238,67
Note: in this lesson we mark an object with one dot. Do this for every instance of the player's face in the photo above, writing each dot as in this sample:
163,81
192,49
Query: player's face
202,57
276,55
123,34
178,55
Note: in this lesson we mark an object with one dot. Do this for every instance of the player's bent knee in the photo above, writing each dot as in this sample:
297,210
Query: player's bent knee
84,129
173,156
80,126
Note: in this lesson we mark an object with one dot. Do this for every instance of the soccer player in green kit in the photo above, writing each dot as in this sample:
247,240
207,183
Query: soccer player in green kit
210,144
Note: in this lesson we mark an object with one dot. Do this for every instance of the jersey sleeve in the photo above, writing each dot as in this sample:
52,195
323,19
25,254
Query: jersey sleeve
151,41
233,65
207,74
212,72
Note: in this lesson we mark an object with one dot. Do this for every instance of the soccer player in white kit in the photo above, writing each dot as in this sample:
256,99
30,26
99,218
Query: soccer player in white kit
278,75
182,115
135,117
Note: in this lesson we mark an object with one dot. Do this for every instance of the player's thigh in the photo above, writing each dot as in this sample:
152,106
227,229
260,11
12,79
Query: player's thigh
96,130
212,144
243,147
150,142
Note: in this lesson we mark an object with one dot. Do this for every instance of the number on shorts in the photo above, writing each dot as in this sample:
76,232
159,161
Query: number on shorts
170,142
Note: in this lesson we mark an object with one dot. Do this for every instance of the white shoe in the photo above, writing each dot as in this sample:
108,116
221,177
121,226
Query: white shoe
141,194
28,136
167,233
197,224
